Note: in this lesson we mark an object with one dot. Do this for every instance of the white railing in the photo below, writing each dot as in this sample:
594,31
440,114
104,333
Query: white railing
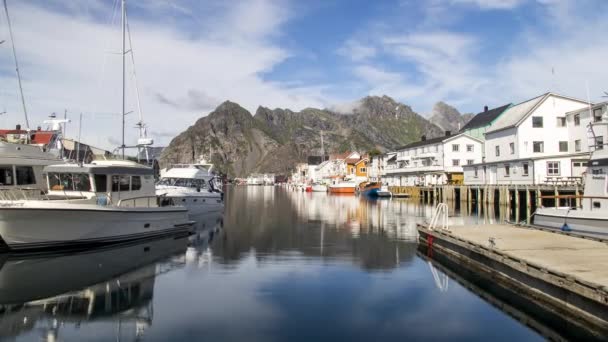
440,218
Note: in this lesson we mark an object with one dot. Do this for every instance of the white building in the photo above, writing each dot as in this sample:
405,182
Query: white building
531,143
432,161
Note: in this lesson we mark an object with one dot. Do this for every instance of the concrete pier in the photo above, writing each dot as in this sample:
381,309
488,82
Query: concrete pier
567,274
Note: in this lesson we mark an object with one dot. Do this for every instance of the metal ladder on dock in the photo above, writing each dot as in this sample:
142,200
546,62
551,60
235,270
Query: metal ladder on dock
440,218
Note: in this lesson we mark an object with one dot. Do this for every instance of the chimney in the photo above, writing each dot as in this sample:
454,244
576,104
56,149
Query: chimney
448,133
423,138
18,127
485,108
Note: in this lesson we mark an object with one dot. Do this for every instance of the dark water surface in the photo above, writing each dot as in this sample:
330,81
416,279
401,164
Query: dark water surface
276,266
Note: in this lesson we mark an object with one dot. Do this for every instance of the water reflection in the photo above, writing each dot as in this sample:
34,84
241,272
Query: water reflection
276,265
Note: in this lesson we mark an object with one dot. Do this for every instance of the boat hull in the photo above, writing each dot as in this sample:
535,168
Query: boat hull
319,188
578,221
33,229
197,205
342,190
383,193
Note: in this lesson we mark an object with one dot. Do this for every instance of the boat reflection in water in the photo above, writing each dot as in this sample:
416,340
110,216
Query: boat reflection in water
44,293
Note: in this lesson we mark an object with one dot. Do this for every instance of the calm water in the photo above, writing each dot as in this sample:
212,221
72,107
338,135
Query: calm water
277,266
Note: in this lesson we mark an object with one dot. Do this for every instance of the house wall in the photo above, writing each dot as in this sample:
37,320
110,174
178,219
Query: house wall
581,132
361,169
462,155
502,139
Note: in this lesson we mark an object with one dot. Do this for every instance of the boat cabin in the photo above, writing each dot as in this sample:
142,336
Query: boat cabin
113,180
21,166
194,176
596,182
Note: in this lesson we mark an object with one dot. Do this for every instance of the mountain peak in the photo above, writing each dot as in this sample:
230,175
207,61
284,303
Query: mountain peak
447,117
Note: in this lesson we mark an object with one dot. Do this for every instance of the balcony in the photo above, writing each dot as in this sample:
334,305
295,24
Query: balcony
395,169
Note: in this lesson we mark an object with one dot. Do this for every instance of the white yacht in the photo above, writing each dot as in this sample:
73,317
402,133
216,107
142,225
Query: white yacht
21,166
194,186
98,203
591,217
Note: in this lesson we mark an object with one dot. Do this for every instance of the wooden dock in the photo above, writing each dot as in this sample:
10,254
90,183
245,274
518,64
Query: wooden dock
566,274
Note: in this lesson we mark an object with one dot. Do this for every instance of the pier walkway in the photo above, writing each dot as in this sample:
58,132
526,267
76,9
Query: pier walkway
564,272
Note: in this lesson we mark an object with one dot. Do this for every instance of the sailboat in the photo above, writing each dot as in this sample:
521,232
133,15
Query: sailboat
93,204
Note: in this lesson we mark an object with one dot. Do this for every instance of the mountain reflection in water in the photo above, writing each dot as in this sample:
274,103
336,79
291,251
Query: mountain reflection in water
275,266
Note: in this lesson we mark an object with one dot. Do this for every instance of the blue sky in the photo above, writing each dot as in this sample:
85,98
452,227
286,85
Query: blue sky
192,55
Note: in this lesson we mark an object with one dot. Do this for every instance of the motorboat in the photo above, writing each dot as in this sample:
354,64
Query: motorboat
591,217
370,189
345,187
21,166
194,186
99,203
384,192
319,187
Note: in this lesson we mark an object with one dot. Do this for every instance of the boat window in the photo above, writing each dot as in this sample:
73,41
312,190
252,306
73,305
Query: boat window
69,181
115,182
101,183
6,175
135,183
25,175
124,183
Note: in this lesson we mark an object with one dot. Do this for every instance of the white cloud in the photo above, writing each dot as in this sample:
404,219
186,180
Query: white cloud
356,50
61,55
491,4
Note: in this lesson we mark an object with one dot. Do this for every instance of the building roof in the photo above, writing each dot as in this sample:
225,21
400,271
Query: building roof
351,160
485,118
514,115
335,156
424,142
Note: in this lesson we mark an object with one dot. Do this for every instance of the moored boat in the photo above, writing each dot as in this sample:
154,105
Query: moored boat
194,186
371,189
318,187
93,204
591,217
384,192
343,188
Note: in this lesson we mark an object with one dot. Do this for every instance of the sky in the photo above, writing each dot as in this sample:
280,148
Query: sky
191,55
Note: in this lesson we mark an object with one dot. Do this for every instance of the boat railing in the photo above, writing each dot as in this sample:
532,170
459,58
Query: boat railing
20,194
134,200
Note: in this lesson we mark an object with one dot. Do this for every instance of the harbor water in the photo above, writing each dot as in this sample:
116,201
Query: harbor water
276,265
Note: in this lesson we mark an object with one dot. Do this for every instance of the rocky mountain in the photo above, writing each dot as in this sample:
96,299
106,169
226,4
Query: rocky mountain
274,140
448,118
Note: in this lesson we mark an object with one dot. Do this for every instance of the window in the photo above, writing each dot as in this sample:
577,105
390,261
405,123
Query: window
455,147
69,181
135,183
101,183
538,147
476,171
577,145
6,175
25,175
455,162
81,182
436,148
497,148
563,146
362,169
537,121
470,161
599,142
115,181
470,148
597,115
561,122
526,169
507,170
553,168
577,119
512,148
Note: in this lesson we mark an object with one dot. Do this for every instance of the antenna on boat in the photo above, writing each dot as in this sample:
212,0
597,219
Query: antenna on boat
10,32
123,52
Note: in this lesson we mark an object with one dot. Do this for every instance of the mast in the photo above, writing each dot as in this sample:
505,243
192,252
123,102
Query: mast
124,12
10,32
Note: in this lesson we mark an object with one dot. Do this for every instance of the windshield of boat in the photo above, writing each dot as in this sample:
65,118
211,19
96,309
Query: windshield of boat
69,181
184,182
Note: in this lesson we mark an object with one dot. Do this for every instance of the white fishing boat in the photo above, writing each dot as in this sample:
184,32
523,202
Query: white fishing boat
384,192
194,186
591,217
318,187
92,204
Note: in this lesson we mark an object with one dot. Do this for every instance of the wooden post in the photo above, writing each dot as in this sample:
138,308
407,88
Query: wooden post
556,193
539,200
469,199
478,199
528,206
577,193
516,204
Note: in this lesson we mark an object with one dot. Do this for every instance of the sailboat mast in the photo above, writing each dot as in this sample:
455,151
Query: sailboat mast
10,32
124,12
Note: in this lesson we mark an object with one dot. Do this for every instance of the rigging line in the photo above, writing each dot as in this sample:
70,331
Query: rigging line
10,31
142,132
102,72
